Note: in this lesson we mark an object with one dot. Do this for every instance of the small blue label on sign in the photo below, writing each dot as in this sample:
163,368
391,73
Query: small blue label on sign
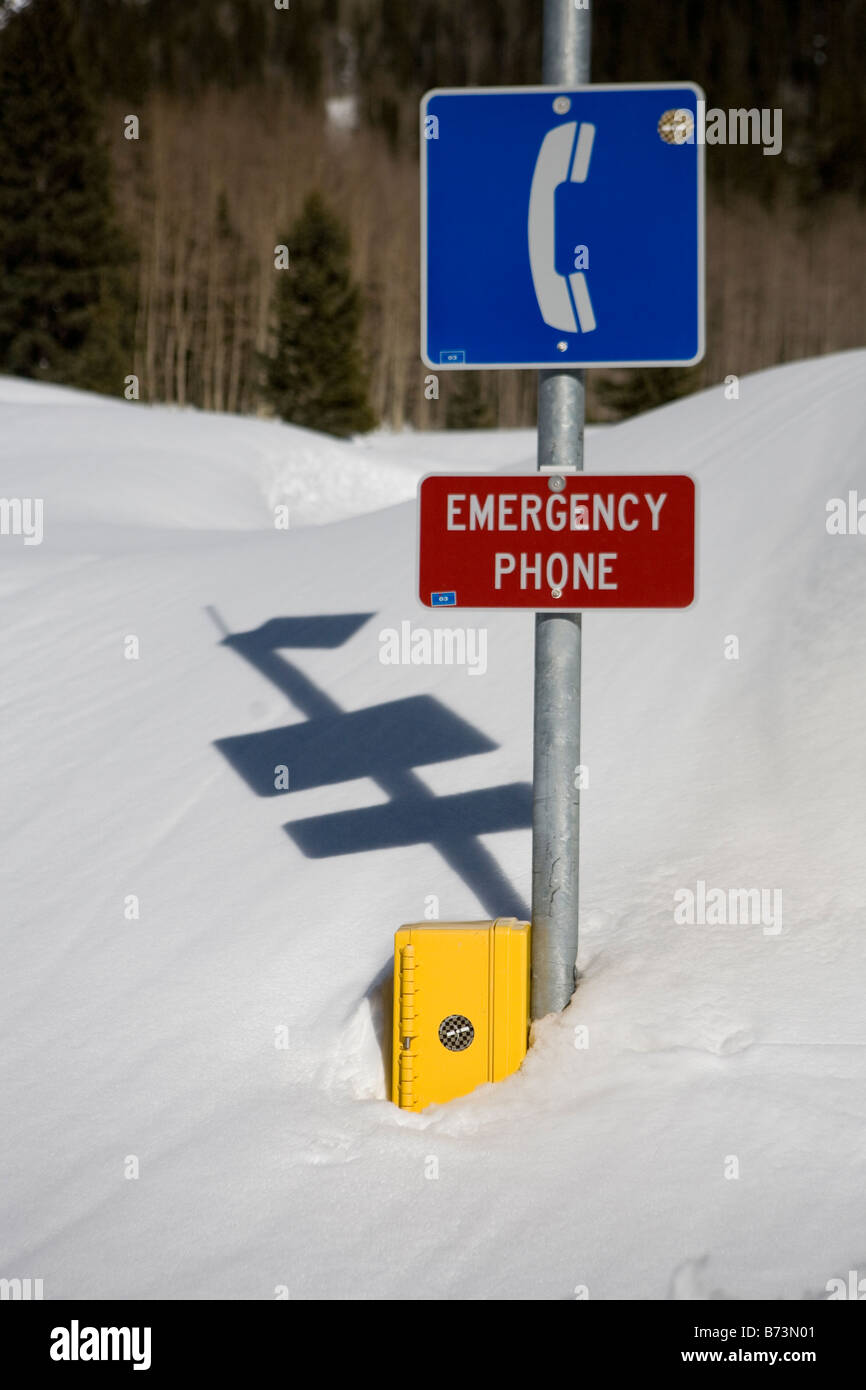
452,357
446,599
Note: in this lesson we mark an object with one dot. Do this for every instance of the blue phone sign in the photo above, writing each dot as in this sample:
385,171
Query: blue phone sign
562,227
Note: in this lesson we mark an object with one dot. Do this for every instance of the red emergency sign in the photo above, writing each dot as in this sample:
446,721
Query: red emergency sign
568,541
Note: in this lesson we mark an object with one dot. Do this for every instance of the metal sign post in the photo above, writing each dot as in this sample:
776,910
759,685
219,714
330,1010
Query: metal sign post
556,733
541,210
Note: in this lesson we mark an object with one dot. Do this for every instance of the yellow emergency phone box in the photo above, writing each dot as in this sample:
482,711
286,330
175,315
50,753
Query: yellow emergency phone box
461,1007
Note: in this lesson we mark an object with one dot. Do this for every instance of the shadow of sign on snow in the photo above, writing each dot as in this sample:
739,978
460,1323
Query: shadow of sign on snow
384,742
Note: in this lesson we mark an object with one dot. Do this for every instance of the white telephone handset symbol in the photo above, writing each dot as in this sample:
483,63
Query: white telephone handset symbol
566,147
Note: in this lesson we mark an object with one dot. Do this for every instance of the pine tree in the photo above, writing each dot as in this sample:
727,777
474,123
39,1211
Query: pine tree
466,408
643,388
315,377
63,307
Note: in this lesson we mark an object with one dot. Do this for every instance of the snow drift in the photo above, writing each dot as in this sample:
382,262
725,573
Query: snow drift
195,961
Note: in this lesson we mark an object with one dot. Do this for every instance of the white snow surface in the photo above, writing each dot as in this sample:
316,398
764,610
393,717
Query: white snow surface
155,1039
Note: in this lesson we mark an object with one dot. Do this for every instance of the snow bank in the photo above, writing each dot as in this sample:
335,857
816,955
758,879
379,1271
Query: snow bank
690,1052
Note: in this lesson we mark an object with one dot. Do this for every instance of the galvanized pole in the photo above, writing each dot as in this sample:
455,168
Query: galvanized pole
556,751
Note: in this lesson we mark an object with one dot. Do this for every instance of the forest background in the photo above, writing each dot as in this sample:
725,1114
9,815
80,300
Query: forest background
245,109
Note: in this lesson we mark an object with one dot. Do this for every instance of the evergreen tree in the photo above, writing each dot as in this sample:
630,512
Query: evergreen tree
63,307
466,408
315,377
742,52
637,389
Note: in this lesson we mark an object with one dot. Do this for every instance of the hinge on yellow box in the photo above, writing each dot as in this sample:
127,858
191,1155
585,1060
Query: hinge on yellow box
408,1032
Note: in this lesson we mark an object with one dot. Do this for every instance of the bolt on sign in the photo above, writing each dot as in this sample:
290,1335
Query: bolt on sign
557,541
